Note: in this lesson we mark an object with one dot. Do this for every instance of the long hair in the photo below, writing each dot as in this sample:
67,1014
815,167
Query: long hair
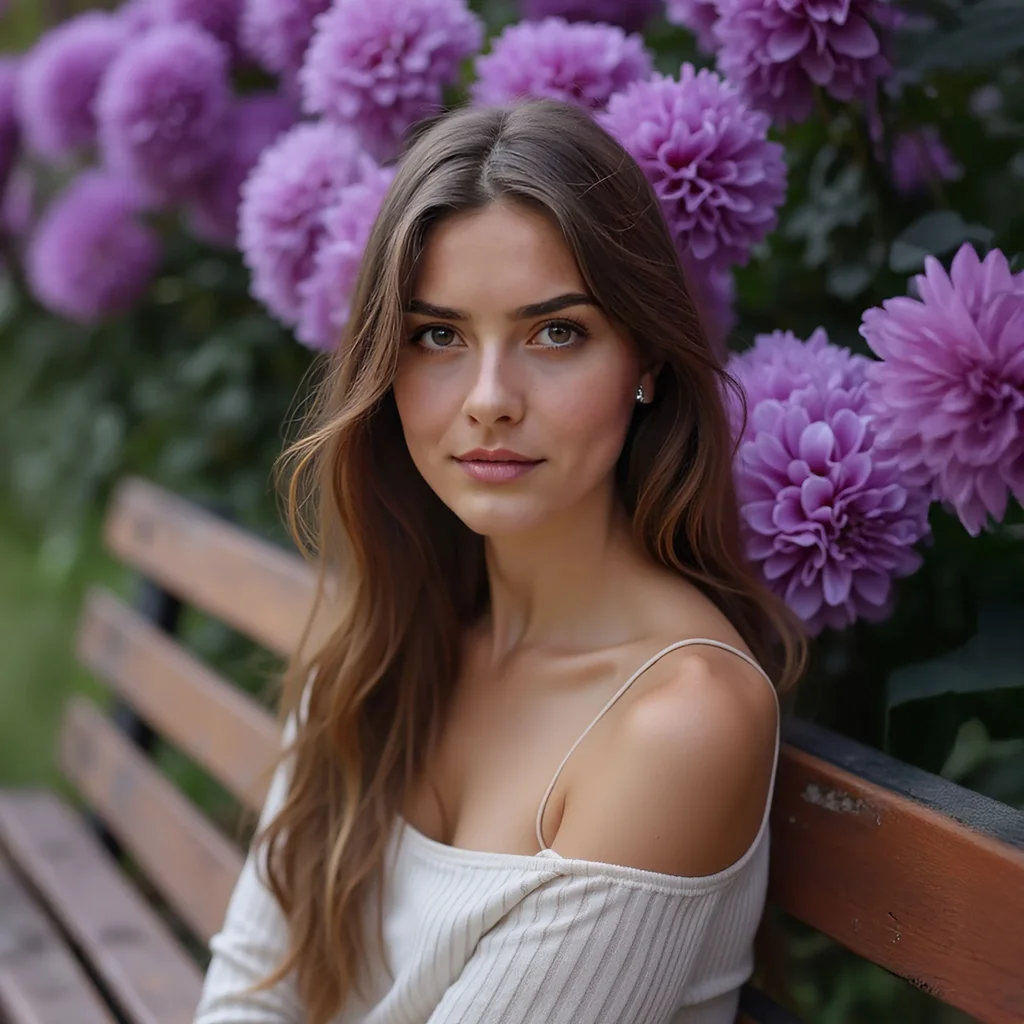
401,578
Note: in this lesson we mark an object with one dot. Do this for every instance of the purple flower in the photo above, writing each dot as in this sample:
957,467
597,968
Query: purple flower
380,65
577,63
920,157
255,123
948,395
699,16
9,131
777,51
218,17
708,157
328,291
827,516
284,200
90,256
632,15
139,16
59,80
18,204
277,32
713,293
164,107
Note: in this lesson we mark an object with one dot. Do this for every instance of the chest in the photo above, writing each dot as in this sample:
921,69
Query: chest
502,744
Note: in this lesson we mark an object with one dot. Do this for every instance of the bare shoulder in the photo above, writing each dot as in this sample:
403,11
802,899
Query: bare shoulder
682,786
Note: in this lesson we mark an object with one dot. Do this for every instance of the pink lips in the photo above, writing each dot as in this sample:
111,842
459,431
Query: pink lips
496,466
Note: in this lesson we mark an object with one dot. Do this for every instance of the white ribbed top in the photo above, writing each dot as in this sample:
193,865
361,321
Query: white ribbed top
495,938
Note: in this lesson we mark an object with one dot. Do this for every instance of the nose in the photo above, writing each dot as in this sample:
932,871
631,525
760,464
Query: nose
494,393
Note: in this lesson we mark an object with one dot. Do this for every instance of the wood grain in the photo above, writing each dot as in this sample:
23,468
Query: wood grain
141,965
188,860
901,884
204,715
248,583
41,982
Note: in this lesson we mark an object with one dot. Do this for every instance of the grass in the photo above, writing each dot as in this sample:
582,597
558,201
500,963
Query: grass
38,614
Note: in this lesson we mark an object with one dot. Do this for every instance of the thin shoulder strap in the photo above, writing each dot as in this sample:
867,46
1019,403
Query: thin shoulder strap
622,689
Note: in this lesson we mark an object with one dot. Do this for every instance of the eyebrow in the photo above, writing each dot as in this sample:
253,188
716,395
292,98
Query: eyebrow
544,308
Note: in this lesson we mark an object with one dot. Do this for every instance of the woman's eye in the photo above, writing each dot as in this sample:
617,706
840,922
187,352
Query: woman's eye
436,337
560,335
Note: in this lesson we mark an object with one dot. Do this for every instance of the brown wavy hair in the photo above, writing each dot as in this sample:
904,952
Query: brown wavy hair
401,578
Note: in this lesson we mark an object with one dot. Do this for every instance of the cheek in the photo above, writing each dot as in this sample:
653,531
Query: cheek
423,405
592,416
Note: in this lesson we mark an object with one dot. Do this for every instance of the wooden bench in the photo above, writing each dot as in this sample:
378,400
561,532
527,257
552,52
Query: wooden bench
109,924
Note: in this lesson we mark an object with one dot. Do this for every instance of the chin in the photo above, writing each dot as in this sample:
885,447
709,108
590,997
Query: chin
497,516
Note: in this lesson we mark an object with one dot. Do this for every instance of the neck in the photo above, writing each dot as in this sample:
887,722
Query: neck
556,585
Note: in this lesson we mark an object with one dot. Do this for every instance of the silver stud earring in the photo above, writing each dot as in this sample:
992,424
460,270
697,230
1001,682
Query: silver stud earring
640,393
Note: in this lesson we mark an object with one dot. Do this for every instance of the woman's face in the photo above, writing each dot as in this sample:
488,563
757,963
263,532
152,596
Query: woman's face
514,391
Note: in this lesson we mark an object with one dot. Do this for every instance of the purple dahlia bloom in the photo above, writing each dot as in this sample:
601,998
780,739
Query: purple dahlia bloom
632,15
713,293
164,107
708,157
284,200
255,123
920,157
59,80
278,32
378,66
577,63
328,291
18,204
139,16
948,395
90,256
218,17
699,16
777,51
827,516
9,130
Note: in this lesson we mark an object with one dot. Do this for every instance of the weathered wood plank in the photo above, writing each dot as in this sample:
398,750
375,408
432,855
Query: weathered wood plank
208,718
130,949
248,583
188,860
899,881
41,982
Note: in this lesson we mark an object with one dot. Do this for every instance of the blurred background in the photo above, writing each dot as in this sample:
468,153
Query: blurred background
185,189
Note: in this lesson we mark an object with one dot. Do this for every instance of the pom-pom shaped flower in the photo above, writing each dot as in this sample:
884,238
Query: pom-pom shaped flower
827,517
139,16
713,293
328,291
277,33
699,16
632,15
254,124
380,65
90,256
218,17
948,395
777,51
919,158
9,132
577,63
708,157
59,80
163,108
284,200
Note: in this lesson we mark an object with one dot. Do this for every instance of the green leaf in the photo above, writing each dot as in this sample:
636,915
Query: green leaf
934,234
993,659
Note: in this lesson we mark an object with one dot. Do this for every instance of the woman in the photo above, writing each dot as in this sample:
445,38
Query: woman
518,473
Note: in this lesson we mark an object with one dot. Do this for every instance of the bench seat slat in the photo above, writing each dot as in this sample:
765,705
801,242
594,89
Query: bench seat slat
40,980
254,586
900,883
209,719
130,949
189,861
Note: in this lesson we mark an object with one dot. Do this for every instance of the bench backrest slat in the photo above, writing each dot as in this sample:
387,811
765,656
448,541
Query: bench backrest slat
901,884
255,587
215,723
150,977
189,861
